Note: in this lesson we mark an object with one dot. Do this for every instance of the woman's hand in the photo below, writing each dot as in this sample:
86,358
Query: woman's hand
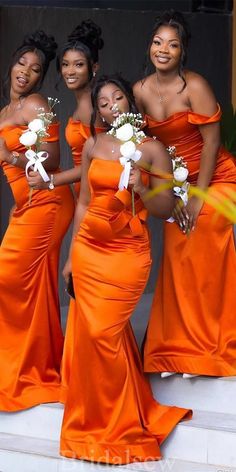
135,181
36,181
180,214
67,270
193,209
186,217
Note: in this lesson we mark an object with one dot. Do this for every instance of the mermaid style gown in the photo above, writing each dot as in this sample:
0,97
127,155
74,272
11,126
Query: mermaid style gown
192,327
31,336
76,134
110,415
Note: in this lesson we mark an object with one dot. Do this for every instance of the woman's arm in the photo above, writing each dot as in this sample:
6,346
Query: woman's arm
138,95
161,204
68,176
202,101
31,108
83,202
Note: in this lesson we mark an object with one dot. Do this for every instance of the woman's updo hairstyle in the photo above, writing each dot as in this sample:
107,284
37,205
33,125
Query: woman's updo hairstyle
86,38
43,45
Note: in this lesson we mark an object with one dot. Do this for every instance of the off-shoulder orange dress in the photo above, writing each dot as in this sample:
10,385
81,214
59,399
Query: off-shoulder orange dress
110,415
192,327
76,134
31,336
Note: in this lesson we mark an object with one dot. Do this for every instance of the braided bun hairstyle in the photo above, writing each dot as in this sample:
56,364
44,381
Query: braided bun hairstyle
45,47
86,38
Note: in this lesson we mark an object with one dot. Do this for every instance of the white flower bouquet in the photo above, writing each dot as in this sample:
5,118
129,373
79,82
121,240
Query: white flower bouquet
126,128
33,137
180,173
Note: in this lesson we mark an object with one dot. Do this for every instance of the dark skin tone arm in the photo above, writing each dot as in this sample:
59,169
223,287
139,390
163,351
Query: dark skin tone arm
155,155
83,202
27,113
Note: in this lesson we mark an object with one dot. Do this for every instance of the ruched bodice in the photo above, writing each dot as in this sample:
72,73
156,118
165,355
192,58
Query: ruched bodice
16,175
182,131
110,210
76,134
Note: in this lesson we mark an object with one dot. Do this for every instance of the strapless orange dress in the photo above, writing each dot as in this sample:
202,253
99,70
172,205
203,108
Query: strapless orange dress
110,415
31,336
192,327
76,134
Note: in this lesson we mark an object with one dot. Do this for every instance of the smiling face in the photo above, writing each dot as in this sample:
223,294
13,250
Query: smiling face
74,69
166,49
111,101
26,73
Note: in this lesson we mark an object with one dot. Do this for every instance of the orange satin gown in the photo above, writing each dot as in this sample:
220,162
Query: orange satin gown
31,336
192,327
76,134
110,415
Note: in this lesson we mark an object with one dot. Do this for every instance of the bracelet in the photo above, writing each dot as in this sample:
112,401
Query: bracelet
14,158
51,185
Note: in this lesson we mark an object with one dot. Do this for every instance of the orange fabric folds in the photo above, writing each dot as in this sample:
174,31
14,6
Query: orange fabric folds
110,415
31,336
192,326
76,134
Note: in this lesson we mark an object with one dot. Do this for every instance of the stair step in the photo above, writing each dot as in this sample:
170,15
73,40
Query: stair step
201,393
42,421
25,454
209,438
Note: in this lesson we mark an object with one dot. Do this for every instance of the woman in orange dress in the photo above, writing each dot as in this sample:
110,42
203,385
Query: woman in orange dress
110,415
77,64
31,336
192,328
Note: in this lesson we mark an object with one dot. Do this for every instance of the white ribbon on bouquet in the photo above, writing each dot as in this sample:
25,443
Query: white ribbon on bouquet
35,162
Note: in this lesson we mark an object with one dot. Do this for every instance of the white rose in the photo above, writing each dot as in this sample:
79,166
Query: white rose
128,149
180,174
36,125
28,138
125,132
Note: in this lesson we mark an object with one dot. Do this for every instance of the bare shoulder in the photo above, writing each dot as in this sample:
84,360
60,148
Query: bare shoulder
32,106
88,146
151,148
201,95
196,82
35,101
143,85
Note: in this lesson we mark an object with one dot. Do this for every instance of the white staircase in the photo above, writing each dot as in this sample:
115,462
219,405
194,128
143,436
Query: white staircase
29,440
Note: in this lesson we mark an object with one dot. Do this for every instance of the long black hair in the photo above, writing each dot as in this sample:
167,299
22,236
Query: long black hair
87,39
44,46
177,21
122,84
